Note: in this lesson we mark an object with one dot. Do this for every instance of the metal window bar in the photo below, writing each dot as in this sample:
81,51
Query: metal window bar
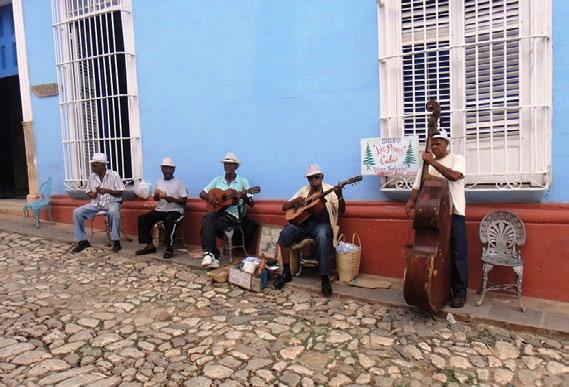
96,75
492,135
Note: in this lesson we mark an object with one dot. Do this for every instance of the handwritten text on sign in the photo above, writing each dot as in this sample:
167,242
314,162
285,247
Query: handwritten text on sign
390,156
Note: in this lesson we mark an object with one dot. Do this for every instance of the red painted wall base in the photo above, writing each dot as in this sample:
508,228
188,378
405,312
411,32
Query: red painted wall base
385,231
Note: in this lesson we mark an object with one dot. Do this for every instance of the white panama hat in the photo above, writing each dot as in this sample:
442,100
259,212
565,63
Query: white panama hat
442,134
99,158
167,162
313,169
230,158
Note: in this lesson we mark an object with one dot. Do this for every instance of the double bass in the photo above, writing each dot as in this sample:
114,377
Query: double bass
428,267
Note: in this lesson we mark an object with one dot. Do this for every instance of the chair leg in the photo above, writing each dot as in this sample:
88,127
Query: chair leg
25,211
243,242
299,259
180,231
229,236
37,213
487,268
49,213
108,226
519,270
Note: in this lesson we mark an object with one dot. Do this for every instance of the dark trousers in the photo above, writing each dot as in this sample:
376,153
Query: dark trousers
213,224
460,256
146,221
322,235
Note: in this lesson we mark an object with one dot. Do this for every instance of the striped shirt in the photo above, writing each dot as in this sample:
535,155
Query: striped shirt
112,181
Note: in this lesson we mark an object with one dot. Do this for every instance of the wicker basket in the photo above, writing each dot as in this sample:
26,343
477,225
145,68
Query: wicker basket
348,263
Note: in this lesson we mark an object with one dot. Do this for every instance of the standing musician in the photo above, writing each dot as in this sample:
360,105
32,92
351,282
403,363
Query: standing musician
171,195
451,166
321,226
105,189
213,223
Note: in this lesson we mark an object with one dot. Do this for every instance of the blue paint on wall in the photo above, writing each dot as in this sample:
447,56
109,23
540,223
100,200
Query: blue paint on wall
560,158
46,118
281,83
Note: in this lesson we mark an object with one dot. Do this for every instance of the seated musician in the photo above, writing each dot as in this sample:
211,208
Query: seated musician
321,226
105,189
213,223
451,166
171,195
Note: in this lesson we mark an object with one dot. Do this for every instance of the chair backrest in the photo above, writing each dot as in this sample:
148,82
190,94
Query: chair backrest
501,232
45,190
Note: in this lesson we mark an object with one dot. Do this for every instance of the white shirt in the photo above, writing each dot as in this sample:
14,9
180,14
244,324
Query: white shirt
456,163
112,181
174,188
332,205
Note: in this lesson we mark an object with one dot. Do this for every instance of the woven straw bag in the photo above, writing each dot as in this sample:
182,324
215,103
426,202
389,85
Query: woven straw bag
348,263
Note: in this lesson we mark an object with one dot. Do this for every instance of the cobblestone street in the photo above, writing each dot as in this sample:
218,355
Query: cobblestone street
104,319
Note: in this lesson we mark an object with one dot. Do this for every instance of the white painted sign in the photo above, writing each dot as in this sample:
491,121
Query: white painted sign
390,156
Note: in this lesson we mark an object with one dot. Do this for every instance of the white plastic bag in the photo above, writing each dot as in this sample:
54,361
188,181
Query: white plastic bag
142,189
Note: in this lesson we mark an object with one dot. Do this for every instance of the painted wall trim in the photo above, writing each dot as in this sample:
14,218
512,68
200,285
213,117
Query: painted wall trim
26,98
385,233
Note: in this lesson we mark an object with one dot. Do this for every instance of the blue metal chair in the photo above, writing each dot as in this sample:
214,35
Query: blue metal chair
42,202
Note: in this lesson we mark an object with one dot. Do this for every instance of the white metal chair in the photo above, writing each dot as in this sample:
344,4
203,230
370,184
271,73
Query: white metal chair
298,259
228,244
502,232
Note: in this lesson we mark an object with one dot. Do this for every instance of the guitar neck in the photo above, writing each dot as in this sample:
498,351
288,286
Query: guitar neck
324,193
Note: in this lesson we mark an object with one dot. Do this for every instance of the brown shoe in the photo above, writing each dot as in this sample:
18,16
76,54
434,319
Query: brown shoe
457,302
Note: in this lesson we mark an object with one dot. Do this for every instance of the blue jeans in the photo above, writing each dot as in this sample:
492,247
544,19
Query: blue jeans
460,256
88,211
322,235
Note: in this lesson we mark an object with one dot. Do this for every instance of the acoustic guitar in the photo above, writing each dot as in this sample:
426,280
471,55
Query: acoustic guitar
315,203
228,197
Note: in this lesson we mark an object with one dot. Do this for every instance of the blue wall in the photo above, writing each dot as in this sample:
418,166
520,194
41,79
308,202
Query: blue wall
282,83
560,186
46,118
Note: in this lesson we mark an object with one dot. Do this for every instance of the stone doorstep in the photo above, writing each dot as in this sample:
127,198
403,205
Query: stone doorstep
541,316
12,206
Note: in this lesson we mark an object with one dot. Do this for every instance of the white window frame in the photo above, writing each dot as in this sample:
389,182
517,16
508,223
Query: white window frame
487,158
92,107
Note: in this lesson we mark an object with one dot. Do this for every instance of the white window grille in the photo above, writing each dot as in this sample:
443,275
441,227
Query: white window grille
94,48
488,62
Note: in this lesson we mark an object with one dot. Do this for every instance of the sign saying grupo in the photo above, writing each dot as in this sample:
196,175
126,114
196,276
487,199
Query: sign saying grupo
390,156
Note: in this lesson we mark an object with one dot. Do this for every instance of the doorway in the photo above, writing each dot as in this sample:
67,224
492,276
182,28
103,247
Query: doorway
13,166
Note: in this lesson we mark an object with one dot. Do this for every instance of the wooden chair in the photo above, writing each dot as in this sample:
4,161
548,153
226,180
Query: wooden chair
502,232
178,233
105,215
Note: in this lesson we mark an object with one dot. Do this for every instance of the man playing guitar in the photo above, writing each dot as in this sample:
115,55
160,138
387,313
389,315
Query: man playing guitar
213,223
321,226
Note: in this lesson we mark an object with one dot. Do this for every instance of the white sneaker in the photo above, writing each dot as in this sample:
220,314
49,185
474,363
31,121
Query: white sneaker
207,259
214,264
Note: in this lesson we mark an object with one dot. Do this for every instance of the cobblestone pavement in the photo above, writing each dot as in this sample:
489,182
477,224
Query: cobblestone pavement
102,319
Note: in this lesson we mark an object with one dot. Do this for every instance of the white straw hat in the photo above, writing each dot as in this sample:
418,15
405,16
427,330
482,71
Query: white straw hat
442,134
230,158
99,158
313,169
167,162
